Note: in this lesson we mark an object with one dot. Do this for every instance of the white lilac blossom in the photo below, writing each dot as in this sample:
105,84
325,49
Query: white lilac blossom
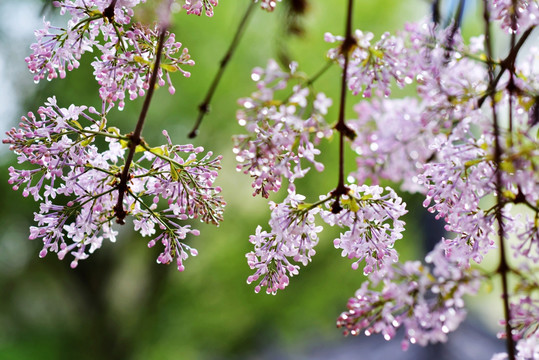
76,183
280,133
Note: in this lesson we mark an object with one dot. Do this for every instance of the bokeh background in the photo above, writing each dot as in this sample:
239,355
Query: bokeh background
120,304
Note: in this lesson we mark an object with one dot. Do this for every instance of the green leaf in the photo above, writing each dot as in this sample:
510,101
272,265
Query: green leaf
173,172
88,140
157,150
169,67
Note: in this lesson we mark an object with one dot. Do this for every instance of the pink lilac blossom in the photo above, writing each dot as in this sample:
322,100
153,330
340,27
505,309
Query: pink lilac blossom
268,5
280,133
458,173
118,72
410,296
196,7
127,50
291,240
58,50
526,11
456,183
448,82
392,141
371,217
373,223
524,315
372,66
66,165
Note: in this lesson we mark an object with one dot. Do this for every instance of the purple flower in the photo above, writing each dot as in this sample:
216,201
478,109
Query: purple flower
68,167
280,133
292,239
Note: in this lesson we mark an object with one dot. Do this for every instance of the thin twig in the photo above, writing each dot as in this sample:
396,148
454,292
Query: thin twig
204,107
505,64
348,44
503,267
135,138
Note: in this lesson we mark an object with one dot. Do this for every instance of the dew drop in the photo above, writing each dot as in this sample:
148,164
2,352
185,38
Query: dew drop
445,329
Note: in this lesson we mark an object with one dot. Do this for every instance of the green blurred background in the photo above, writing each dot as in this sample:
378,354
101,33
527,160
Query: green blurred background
119,303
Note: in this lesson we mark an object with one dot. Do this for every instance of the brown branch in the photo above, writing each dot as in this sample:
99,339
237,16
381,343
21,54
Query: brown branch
347,46
503,268
505,64
135,137
109,11
204,107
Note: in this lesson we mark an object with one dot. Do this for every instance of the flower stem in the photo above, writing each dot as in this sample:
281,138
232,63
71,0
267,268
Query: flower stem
204,107
503,268
135,138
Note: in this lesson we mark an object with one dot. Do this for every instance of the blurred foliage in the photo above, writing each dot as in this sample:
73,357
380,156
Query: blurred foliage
119,303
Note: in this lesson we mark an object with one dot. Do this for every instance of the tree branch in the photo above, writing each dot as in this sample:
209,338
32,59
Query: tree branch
135,138
204,107
348,44
503,267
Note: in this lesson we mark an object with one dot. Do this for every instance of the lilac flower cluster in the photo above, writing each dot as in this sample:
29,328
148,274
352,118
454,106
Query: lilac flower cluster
392,141
268,5
127,50
76,183
456,184
410,296
119,71
293,237
372,66
453,143
280,133
197,6
443,145
525,11
59,49
373,224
